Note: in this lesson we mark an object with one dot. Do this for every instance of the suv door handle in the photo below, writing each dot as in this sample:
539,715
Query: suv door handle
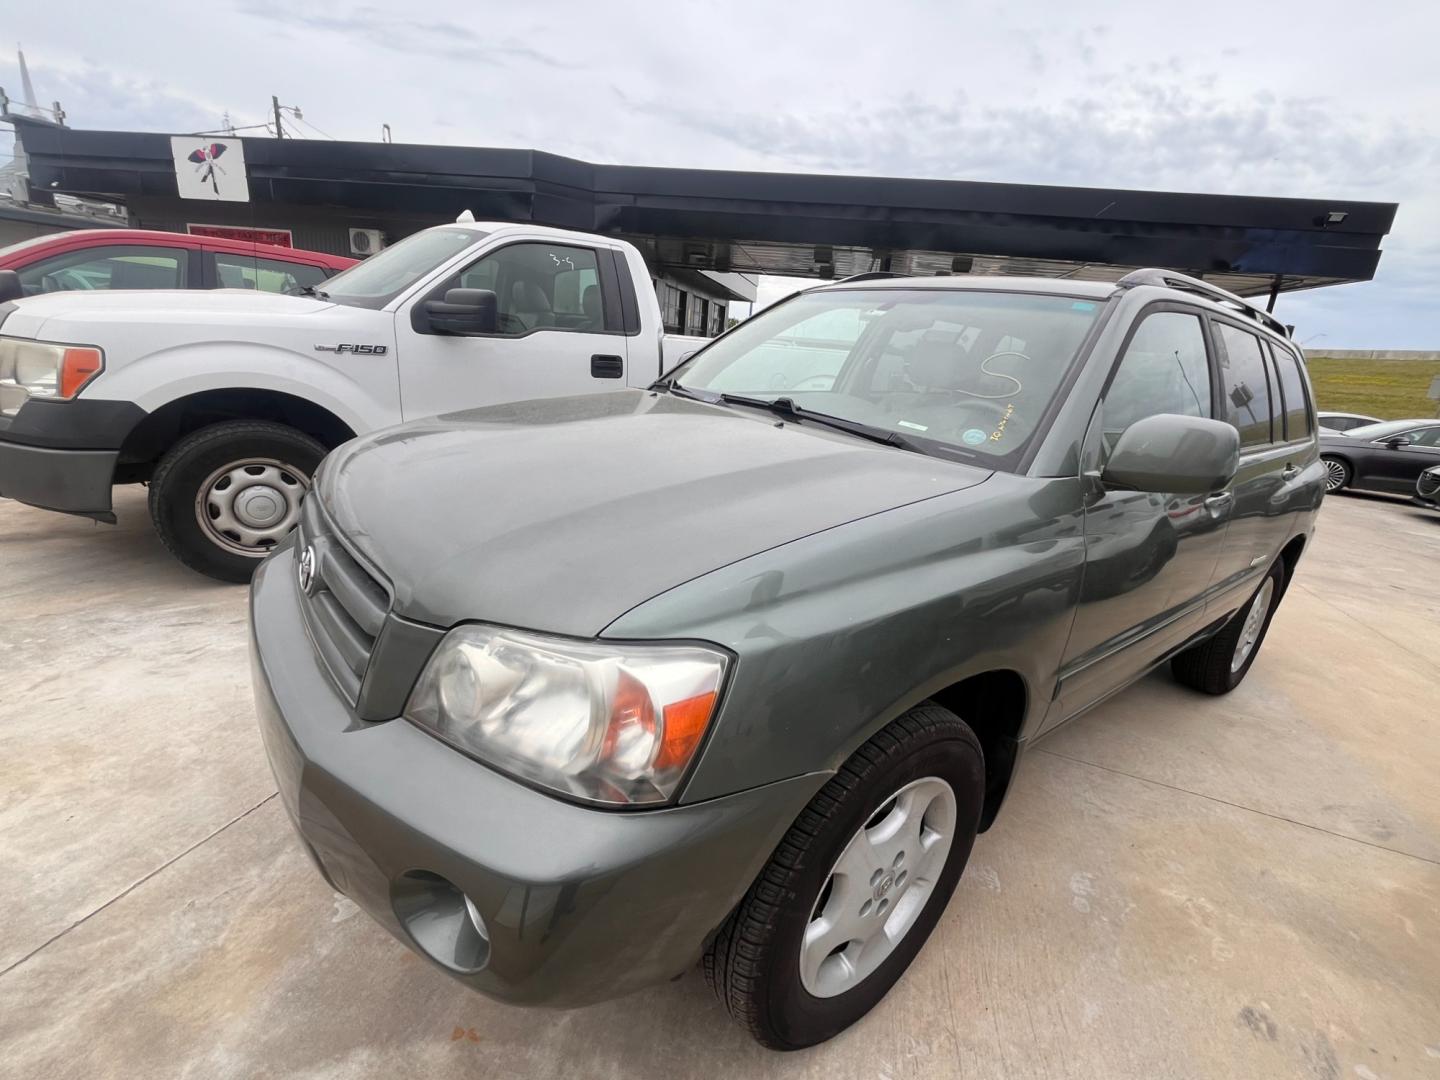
1289,472
606,367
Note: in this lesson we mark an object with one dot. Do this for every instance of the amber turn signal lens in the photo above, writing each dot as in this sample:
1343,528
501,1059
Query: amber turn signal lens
685,723
77,368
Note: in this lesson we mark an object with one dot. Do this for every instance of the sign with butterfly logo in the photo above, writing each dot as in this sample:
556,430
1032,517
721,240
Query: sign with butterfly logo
207,168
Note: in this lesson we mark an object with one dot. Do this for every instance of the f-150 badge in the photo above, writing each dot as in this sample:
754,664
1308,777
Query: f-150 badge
358,350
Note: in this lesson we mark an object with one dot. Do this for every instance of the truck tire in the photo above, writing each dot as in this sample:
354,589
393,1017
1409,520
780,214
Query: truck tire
1218,664
856,885
224,496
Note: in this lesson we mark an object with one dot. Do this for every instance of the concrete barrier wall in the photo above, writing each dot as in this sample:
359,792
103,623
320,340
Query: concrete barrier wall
1373,354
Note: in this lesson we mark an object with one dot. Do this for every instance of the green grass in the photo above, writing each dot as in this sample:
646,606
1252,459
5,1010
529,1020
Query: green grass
1389,389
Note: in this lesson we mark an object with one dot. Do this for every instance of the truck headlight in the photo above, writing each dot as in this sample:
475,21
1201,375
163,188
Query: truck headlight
40,369
611,723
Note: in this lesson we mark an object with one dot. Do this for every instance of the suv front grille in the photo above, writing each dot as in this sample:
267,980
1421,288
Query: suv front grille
345,605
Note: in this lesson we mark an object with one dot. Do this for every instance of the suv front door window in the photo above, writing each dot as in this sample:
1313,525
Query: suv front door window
1148,557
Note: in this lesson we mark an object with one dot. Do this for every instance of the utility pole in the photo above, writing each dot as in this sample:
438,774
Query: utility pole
279,128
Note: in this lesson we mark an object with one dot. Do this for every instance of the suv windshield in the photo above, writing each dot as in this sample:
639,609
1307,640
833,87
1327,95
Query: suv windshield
382,277
963,372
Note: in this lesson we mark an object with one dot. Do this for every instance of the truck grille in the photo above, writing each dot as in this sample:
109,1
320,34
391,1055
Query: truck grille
345,605
1429,485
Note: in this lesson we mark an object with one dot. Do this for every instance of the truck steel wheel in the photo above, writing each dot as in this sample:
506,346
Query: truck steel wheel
856,885
225,495
1217,665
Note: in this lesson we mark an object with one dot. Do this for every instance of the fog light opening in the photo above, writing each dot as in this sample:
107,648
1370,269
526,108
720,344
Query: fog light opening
441,920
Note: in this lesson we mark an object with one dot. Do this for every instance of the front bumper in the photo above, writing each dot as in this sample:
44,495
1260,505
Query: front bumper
62,455
1428,504
579,904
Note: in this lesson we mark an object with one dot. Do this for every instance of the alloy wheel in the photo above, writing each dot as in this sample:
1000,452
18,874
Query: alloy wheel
878,887
1254,620
1335,474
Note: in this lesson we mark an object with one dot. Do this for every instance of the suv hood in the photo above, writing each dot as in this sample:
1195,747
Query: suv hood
202,307
562,514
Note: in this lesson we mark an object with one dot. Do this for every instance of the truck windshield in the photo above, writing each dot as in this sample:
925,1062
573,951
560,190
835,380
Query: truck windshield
382,277
957,372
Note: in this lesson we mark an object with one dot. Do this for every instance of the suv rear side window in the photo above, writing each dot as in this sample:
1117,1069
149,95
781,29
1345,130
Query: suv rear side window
137,266
267,275
1164,370
1292,389
1245,383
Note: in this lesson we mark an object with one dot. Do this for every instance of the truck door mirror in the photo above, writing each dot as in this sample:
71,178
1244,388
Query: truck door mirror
1171,454
10,286
464,311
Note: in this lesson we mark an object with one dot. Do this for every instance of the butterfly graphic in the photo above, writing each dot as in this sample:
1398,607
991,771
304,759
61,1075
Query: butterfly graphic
206,166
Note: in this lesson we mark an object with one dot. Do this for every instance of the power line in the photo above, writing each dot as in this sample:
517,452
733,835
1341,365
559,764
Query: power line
315,129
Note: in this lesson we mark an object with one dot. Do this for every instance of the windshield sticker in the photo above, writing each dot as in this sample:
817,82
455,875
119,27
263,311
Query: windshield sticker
973,437
1082,305
913,427
1000,429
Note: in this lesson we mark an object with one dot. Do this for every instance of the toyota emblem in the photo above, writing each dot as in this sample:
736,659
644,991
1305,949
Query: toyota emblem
305,572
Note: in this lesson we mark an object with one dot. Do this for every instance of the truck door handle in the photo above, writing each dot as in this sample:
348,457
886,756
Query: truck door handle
606,367
1289,472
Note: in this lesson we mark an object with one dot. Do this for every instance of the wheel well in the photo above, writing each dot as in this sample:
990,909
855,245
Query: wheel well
1290,556
174,420
993,703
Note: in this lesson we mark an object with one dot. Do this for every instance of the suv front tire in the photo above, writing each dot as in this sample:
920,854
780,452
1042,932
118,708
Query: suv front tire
855,887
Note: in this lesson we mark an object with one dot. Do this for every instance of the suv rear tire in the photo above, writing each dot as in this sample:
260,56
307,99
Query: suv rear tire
223,496
908,802
1218,664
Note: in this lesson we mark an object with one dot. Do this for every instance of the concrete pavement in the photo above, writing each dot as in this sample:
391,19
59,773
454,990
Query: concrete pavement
1179,886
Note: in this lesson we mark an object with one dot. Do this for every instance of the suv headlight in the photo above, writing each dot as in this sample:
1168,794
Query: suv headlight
39,369
611,723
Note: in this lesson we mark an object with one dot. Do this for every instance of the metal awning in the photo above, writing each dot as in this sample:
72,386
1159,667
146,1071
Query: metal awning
754,222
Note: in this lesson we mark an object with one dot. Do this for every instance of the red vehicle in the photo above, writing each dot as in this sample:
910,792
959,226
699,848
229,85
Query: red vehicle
146,259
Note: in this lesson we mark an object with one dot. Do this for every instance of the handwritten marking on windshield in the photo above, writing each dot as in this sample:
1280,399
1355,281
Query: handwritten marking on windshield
1000,430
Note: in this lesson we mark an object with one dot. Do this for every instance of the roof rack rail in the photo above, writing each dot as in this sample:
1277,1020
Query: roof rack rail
1169,279
869,275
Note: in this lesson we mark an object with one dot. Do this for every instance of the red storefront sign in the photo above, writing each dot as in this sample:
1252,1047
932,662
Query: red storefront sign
273,237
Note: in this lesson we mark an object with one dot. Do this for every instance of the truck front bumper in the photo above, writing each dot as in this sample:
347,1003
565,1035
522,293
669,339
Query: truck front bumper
61,455
525,897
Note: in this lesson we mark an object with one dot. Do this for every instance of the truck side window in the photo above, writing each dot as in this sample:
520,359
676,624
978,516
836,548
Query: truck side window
541,286
1164,370
1246,384
1292,387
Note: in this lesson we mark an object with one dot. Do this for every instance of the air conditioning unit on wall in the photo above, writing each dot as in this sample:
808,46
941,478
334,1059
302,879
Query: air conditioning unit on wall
366,241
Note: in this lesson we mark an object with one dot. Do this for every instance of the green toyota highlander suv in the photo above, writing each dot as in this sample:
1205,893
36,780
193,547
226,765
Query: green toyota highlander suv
571,693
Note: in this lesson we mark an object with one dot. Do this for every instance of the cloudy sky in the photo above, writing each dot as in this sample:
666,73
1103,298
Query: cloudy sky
1318,99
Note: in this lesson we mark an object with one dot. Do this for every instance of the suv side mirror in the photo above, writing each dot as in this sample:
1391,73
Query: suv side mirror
1395,442
464,311
1170,454
10,286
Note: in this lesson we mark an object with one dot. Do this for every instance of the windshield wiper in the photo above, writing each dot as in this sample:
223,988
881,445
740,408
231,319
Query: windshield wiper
311,290
710,398
784,406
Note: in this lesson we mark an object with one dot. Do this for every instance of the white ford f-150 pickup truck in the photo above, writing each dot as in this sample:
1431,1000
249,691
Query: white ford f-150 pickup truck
224,402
